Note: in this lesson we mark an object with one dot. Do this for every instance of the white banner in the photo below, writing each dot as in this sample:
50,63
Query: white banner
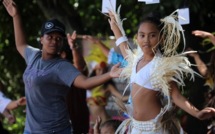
184,16
107,5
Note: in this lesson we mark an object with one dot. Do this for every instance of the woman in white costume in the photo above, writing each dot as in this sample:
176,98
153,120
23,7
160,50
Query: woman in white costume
155,70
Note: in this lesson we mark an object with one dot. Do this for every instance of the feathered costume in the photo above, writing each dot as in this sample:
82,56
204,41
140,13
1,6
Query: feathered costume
168,66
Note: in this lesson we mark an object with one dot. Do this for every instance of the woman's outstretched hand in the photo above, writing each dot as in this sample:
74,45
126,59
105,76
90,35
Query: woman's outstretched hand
11,8
206,113
115,71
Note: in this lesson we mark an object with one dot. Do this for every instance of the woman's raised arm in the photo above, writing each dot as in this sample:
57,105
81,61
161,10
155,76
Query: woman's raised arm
20,38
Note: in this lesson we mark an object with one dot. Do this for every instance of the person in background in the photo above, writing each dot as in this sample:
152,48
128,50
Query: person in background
100,58
6,105
97,98
107,127
208,72
76,98
112,54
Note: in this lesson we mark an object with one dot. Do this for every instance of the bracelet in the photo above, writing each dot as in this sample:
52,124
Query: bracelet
121,40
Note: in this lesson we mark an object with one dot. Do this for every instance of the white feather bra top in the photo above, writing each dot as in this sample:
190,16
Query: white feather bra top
142,77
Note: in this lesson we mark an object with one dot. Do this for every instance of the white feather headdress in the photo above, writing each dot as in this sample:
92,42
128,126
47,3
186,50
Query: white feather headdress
172,32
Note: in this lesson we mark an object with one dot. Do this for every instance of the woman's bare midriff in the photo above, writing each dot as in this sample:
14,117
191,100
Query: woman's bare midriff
146,104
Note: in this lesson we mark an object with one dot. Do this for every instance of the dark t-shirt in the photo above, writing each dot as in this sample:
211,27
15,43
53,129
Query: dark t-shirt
47,83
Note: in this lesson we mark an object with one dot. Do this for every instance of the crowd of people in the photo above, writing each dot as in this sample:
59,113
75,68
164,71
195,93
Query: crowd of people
57,78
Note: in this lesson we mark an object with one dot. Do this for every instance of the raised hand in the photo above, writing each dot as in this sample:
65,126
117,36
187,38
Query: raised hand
202,34
11,8
71,40
205,34
112,21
